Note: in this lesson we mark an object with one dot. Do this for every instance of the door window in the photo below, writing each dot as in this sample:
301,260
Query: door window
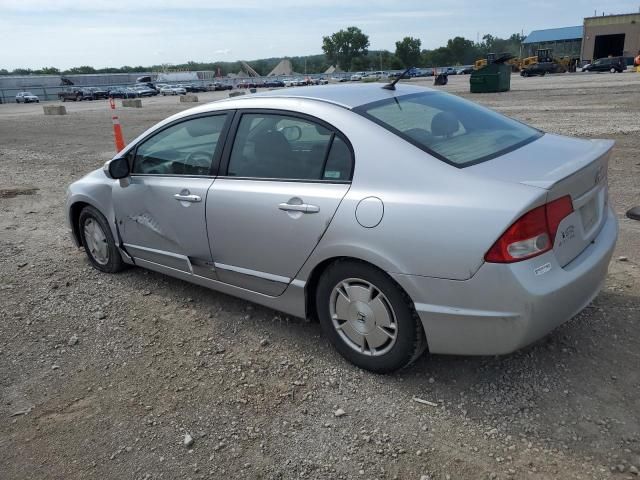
187,148
287,147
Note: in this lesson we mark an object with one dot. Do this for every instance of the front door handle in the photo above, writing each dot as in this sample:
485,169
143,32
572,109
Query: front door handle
187,198
302,207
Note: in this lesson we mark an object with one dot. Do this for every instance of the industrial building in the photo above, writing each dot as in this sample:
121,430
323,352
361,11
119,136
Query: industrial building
611,36
565,41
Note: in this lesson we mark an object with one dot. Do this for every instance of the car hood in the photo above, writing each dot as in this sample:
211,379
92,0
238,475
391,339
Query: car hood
545,161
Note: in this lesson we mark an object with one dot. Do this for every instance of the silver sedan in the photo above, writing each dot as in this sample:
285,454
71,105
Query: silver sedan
401,219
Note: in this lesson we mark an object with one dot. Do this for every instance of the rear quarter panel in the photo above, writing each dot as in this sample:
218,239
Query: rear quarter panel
438,220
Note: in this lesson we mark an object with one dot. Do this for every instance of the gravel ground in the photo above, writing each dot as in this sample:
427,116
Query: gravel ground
104,376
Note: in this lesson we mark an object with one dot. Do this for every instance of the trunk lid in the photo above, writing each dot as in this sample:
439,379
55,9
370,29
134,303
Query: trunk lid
562,166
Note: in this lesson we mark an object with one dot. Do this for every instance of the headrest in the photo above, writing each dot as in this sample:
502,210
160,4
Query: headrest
444,124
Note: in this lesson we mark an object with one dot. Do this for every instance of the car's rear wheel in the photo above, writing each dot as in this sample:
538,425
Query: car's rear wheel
367,317
98,242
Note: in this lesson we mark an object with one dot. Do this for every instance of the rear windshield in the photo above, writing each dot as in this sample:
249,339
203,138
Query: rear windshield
454,130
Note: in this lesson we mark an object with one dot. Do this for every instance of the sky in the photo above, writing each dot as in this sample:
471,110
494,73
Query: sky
113,33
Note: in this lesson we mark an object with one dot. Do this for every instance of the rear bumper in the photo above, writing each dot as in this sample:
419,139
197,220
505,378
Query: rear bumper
505,307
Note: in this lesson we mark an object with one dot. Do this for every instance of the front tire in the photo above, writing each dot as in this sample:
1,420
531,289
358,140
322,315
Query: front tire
368,318
98,242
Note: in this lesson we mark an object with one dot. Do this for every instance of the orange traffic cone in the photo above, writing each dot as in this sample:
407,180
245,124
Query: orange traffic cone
117,129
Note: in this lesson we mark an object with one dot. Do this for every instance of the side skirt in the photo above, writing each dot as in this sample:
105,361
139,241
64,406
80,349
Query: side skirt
291,302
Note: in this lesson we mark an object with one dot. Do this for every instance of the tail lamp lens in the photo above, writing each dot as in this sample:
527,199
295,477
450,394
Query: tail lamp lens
532,234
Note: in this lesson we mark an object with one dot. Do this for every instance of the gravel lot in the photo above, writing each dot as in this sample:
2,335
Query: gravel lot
102,376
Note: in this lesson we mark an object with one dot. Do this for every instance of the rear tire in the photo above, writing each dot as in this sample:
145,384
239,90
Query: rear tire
613,70
98,242
368,318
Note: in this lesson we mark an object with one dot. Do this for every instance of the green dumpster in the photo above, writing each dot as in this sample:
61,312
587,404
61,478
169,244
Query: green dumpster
495,77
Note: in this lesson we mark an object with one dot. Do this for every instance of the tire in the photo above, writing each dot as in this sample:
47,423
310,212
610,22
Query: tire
376,301
106,259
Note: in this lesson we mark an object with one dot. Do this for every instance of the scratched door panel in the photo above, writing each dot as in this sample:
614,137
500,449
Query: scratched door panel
158,227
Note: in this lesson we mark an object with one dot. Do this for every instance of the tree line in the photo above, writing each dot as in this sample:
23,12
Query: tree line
347,49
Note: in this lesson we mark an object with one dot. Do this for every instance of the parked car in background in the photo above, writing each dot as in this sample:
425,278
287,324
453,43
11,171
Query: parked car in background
99,93
219,86
274,84
172,90
356,77
27,97
147,84
609,64
466,70
145,91
506,231
71,93
122,92
194,88
247,84
339,79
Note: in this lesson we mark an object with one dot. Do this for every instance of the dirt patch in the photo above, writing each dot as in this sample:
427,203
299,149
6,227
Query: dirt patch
15,191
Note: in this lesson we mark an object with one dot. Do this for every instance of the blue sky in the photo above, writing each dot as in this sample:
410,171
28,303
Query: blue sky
100,33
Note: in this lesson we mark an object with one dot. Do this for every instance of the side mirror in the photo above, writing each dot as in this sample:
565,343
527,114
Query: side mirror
117,168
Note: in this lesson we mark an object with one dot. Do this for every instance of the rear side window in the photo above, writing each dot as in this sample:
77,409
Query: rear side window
273,146
339,162
454,130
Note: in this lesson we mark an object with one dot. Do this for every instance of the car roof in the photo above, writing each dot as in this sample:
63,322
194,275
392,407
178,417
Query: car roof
348,96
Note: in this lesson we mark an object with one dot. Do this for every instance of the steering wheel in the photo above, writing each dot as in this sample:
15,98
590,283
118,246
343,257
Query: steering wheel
199,159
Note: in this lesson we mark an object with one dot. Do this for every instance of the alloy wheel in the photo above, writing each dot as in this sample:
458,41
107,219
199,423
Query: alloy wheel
363,317
96,241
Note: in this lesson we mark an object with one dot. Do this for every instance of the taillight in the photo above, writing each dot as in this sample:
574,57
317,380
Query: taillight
532,234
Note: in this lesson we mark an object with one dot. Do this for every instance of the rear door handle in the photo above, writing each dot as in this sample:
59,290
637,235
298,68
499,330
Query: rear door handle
187,198
303,207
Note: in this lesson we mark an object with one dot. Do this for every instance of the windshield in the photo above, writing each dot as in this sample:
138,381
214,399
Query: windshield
454,130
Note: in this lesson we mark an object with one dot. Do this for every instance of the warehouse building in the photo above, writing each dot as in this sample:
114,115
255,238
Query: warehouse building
565,41
611,36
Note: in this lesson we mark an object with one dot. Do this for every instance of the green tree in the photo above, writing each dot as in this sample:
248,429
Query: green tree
80,70
408,51
344,46
21,71
49,71
461,51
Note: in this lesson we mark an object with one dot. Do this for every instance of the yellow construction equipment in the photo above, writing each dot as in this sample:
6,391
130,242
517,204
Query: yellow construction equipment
483,62
491,58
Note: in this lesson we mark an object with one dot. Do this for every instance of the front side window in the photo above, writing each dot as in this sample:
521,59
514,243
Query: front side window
454,130
287,147
187,148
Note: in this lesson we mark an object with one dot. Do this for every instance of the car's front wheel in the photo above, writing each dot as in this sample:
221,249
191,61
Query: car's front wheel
367,317
612,70
98,242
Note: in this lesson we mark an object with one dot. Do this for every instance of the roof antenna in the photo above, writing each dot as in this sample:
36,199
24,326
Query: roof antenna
392,85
